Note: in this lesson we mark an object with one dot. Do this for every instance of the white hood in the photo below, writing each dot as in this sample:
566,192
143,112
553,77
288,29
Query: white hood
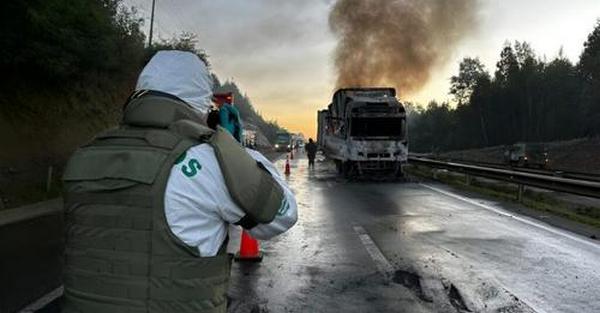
181,74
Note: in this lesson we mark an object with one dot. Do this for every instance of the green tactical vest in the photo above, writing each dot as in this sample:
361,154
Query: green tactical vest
121,256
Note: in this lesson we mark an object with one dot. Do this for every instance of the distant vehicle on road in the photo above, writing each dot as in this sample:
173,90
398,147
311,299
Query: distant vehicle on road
283,142
364,131
297,141
527,155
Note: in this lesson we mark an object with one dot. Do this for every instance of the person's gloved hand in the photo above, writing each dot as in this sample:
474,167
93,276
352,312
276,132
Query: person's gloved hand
229,118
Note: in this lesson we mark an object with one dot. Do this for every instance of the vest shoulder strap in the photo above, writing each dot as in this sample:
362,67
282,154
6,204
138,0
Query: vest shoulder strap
192,130
250,184
123,154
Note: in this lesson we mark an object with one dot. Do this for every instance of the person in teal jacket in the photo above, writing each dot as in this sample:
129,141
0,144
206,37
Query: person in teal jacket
229,118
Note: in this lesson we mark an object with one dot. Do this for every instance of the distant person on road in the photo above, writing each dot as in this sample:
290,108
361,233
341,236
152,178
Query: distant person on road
311,152
148,204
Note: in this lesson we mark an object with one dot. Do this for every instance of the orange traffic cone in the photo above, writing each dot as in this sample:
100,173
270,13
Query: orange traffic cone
287,167
249,249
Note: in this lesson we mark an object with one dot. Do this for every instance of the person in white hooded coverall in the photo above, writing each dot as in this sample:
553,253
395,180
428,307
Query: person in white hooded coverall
122,253
200,210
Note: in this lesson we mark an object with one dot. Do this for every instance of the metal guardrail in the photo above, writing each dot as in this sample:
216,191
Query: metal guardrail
569,185
31,245
542,171
547,172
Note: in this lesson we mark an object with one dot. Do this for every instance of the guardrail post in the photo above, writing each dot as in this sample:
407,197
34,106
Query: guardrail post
468,179
520,192
49,179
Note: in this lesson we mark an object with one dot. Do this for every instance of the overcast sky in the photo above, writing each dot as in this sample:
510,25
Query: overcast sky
280,52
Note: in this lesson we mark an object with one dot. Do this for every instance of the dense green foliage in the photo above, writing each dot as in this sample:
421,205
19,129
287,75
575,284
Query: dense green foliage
58,41
526,99
68,67
185,42
65,62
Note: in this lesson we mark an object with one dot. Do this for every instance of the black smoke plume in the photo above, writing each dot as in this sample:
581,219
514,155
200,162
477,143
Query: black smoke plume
397,42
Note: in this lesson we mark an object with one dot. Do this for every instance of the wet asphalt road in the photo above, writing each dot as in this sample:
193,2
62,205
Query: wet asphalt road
413,247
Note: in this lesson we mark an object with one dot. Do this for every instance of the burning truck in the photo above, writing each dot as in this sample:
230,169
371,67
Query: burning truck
364,131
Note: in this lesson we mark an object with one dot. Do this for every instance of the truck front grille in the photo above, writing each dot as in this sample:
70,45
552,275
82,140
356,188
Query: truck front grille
377,155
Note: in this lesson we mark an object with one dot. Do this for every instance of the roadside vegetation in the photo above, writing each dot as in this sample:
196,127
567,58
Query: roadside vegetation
68,68
527,98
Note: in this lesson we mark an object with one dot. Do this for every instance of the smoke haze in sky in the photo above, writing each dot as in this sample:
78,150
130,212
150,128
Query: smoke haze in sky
282,53
397,42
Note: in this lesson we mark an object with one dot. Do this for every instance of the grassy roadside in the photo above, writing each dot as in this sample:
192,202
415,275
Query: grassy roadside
537,201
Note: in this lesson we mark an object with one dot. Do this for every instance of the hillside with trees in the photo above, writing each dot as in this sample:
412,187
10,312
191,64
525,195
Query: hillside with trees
526,99
69,66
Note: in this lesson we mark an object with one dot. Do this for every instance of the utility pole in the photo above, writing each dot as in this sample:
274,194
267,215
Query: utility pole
151,24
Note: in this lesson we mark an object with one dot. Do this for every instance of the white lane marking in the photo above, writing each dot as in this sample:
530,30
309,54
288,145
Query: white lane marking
516,217
382,264
43,301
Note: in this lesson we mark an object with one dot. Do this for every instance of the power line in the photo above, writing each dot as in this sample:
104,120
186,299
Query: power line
163,15
151,24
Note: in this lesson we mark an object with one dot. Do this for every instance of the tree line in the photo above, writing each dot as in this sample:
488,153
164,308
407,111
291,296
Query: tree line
69,65
526,99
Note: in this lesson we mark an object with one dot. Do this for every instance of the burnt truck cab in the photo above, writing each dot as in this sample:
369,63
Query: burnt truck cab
364,130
